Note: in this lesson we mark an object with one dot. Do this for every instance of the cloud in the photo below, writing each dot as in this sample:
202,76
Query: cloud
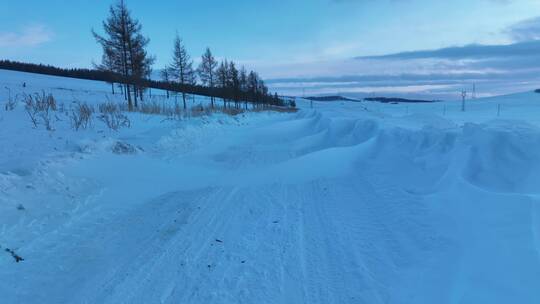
29,36
473,51
502,1
526,30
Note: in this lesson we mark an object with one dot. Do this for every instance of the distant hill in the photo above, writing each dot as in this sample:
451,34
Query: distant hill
331,98
397,100
377,99
537,91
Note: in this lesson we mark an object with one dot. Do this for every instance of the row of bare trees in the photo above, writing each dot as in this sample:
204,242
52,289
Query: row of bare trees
233,84
124,53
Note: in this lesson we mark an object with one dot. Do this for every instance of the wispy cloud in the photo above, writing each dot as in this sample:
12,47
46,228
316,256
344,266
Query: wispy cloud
29,36
473,51
526,30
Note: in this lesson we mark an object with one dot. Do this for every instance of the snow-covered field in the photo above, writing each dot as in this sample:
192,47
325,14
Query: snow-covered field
342,203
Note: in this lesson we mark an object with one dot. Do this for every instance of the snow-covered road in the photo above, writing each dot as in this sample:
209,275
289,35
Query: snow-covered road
225,223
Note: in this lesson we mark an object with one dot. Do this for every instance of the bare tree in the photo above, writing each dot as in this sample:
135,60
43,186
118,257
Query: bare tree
243,83
124,49
253,85
108,64
222,77
181,68
141,64
233,82
165,78
207,72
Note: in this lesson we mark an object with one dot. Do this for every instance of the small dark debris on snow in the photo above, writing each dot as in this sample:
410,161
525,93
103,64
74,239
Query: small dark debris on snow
219,241
243,262
275,222
17,257
123,148
20,207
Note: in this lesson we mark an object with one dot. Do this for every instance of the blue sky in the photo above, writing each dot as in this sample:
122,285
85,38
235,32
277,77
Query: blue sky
282,39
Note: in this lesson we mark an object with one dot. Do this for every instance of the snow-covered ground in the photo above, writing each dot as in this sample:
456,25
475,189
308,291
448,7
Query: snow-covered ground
342,203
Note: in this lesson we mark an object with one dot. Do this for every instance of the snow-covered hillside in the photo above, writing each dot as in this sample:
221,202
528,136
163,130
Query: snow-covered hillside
343,203
69,90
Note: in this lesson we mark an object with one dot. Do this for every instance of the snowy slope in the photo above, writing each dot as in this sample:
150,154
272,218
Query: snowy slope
342,203
69,90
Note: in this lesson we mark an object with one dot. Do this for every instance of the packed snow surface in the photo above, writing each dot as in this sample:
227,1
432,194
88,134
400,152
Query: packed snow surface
339,203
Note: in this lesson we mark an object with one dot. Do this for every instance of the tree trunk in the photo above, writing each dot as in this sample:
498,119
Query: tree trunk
135,96
184,99
128,92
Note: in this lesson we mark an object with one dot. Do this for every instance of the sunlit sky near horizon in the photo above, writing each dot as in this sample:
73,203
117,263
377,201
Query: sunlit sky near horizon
281,39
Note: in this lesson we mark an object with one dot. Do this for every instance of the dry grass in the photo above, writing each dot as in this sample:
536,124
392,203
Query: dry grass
81,116
276,109
176,111
232,111
11,103
41,107
112,115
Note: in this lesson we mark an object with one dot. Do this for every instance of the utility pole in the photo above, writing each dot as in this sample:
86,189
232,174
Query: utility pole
474,91
463,96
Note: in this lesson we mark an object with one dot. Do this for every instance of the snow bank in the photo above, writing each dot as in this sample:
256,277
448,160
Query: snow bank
503,158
